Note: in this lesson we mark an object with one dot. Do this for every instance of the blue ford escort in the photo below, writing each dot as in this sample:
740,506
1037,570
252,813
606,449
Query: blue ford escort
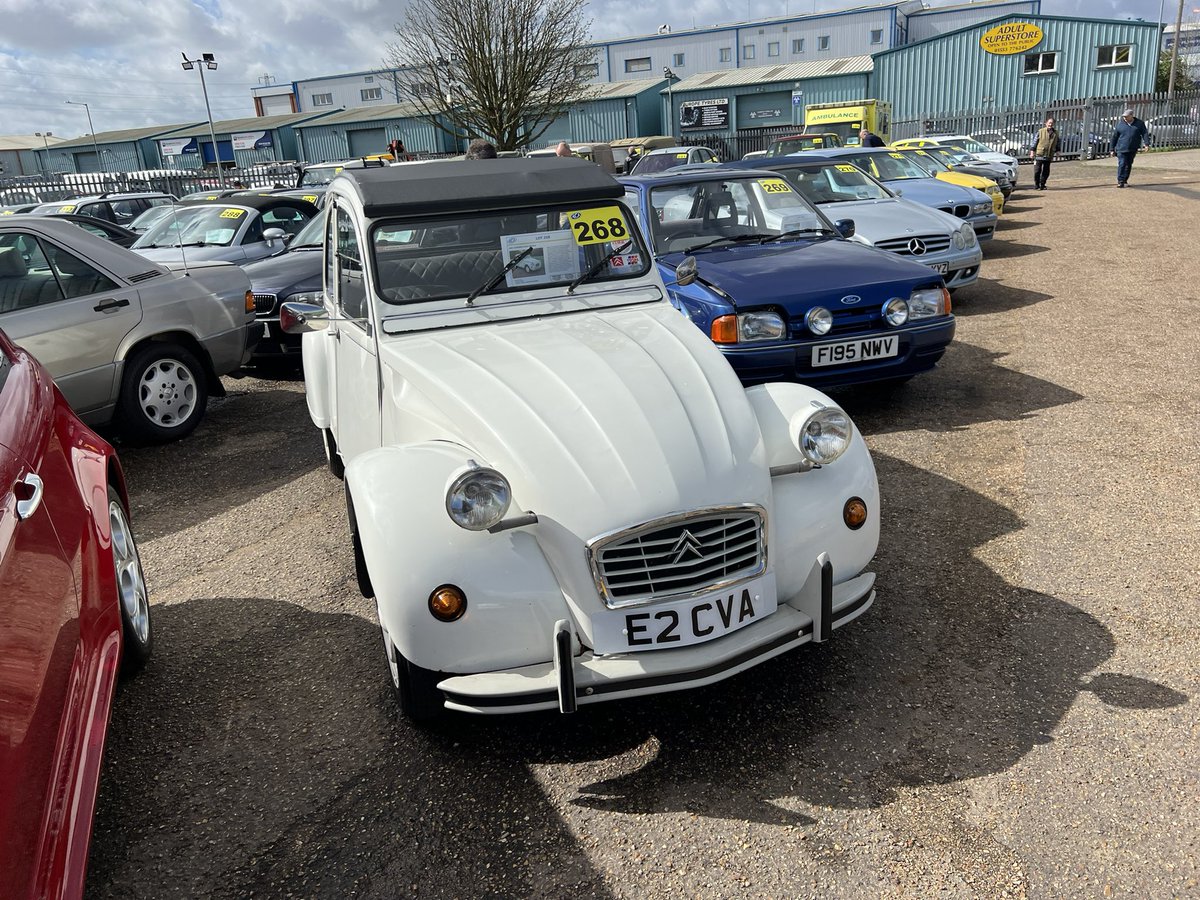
777,286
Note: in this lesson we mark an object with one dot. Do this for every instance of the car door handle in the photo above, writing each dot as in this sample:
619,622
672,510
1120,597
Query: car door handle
29,495
106,305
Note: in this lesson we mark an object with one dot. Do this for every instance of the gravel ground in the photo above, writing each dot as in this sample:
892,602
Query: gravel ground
1016,717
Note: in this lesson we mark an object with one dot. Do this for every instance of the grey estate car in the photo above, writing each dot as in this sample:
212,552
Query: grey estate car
125,339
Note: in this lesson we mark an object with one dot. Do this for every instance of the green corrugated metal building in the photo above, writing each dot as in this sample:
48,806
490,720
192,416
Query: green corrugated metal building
1073,59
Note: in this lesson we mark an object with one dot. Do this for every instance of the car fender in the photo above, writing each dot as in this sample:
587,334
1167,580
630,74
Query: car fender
412,547
806,506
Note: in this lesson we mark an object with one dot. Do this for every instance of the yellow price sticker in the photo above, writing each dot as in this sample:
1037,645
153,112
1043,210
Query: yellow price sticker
774,186
598,225
681,156
7,212
921,152
212,197
339,169
311,198
842,167
896,155
818,140
232,213
66,209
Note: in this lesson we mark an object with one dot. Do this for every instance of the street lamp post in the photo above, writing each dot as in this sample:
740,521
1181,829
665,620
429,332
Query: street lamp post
670,76
87,109
45,136
207,61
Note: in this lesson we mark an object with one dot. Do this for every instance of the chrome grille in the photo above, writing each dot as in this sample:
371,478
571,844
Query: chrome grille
264,303
679,556
933,243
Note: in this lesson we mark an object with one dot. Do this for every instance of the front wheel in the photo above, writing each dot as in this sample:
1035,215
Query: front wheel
415,688
163,393
134,599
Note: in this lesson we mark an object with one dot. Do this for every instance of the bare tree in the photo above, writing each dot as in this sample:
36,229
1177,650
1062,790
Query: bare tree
502,69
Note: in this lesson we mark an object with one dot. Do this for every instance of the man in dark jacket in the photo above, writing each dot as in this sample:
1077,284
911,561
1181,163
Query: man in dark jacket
870,140
1127,139
1043,152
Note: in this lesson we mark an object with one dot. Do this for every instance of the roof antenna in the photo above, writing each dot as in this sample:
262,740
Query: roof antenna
182,253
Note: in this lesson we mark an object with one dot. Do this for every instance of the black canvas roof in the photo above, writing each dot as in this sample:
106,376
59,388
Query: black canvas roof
416,189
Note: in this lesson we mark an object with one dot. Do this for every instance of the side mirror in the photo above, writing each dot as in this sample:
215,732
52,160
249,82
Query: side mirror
297,318
845,227
685,272
271,235
897,192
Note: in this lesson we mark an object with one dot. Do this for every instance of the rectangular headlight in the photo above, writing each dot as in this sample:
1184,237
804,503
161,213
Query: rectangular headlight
926,303
760,326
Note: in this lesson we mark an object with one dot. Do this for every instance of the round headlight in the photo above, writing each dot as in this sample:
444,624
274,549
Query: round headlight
478,499
958,240
819,320
895,311
968,235
825,436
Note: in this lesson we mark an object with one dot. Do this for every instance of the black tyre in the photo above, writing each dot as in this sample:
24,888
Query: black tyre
163,393
415,688
133,596
336,465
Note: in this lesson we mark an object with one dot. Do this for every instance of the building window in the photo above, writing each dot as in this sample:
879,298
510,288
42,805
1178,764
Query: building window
371,93
641,64
823,42
322,99
773,48
1114,55
1041,63
587,70
423,89
726,54
747,51
876,35
368,79
797,45
677,59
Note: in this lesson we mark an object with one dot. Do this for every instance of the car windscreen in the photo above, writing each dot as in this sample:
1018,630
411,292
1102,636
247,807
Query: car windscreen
54,209
143,222
686,215
927,161
453,256
195,226
660,162
970,145
311,235
319,176
835,183
889,166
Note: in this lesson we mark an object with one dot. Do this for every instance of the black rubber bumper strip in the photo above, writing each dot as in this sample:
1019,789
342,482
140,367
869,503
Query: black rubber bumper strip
615,687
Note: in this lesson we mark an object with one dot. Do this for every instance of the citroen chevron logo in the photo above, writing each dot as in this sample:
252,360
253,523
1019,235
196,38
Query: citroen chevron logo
916,247
687,544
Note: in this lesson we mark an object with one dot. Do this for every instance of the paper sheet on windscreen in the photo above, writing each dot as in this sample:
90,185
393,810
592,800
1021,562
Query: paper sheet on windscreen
554,258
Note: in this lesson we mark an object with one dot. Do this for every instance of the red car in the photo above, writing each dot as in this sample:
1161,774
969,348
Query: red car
73,611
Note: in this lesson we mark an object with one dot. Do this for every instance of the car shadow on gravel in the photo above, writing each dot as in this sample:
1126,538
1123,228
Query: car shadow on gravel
1002,249
250,442
969,386
989,296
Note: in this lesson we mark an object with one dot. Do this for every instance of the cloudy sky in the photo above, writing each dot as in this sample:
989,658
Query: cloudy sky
122,56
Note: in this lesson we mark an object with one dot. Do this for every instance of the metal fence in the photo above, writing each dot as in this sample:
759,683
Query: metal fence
1085,126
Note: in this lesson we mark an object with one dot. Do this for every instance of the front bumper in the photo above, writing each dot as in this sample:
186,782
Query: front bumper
589,678
984,225
273,342
921,346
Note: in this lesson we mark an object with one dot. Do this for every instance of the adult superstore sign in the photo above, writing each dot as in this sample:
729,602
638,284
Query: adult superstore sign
1011,37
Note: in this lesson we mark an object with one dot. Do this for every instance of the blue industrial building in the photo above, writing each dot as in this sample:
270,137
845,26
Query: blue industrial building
127,150
240,142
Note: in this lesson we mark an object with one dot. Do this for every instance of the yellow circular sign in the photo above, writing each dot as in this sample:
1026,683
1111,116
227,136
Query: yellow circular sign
1011,37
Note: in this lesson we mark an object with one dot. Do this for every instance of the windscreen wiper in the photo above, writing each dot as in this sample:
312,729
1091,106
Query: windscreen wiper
796,232
498,277
590,273
734,238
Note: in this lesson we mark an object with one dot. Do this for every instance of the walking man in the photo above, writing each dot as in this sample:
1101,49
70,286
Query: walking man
1127,139
1043,153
